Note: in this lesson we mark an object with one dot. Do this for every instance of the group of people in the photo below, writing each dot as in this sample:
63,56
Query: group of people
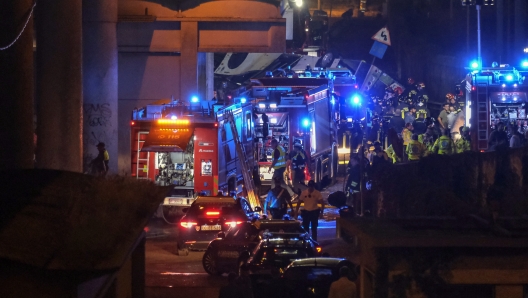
281,195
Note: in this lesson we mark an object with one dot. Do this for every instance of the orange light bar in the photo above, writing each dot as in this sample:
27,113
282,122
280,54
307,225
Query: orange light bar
173,121
212,213
318,249
186,224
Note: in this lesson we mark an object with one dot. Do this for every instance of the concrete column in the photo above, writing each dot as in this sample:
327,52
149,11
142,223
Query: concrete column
59,84
509,291
16,85
100,80
209,75
189,60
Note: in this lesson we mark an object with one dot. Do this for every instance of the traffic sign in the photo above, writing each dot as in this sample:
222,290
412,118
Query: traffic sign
378,49
382,36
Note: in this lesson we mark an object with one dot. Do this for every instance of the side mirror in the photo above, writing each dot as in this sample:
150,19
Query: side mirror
258,209
184,210
221,235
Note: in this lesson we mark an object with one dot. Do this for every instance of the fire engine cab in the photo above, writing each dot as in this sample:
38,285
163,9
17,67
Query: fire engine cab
494,94
185,145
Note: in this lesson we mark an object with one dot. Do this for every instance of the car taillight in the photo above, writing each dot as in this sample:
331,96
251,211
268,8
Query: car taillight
318,249
233,223
187,224
212,213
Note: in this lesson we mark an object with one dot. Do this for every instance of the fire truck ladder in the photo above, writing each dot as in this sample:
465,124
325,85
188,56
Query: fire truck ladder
141,173
242,157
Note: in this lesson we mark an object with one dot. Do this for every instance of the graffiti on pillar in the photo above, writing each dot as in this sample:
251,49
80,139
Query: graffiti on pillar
98,114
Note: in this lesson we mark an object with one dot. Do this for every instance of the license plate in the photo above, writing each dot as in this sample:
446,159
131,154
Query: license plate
175,201
211,228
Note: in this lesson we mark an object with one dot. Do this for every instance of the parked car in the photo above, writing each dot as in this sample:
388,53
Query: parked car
230,249
209,215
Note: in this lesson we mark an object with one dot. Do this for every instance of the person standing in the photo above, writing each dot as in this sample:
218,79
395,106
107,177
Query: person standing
464,143
442,118
515,140
277,201
444,144
100,163
279,166
343,287
406,136
298,163
311,211
415,149
410,116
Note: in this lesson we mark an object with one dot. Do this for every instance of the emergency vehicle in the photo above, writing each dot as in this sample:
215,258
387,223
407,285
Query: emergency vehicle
296,111
494,94
187,146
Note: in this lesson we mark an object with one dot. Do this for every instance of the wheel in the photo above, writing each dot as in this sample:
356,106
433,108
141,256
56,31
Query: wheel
209,263
171,214
181,250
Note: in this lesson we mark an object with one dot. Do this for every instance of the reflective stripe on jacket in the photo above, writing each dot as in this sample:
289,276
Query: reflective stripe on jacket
415,150
281,161
444,145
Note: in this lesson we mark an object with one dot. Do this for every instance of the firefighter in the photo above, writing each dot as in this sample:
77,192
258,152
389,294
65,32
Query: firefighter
392,154
415,149
406,136
298,162
100,163
427,140
279,166
464,143
277,200
444,144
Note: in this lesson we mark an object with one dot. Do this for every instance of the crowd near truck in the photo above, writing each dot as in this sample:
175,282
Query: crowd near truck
493,94
209,148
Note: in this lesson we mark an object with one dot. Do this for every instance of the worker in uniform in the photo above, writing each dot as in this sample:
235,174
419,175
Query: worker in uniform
427,139
277,201
464,143
354,180
415,149
99,164
311,211
279,166
298,162
444,144
406,136
392,154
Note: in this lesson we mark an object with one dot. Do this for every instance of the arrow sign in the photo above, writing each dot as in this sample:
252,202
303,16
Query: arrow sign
382,36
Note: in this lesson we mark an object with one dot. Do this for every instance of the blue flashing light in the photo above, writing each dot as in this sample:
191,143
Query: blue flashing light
194,99
509,77
243,100
306,122
524,63
474,65
356,99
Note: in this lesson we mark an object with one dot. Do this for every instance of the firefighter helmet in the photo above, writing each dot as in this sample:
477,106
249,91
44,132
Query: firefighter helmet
420,85
450,96
410,81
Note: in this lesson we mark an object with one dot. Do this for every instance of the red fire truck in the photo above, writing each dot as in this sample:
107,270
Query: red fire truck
296,110
185,145
494,94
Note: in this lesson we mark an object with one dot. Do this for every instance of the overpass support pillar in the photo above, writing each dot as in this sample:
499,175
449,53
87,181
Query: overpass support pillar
189,60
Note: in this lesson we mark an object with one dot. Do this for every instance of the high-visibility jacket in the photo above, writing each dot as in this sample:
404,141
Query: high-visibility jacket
415,150
406,135
427,142
463,145
444,145
298,160
281,161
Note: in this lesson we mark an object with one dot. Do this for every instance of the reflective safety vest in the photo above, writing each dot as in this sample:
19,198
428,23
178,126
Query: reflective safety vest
463,145
281,161
406,135
298,161
415,150
444,145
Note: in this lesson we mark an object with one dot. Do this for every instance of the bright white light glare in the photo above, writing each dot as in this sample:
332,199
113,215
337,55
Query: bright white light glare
509,77
503,98
194,99
273,105
262,105
474,64
514,85
173,117
332,101
526,50
524,63
243,100
299,3
273,120
503,85
515,98
349,119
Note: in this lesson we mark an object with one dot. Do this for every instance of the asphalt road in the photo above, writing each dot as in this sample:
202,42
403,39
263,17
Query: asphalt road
170,275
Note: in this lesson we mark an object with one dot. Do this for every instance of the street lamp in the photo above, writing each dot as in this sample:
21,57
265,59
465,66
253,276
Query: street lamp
478,4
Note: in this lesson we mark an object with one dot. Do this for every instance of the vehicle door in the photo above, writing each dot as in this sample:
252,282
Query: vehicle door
235,243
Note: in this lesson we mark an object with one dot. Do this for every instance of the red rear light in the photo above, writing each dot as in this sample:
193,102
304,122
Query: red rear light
318,249
473,88
132,123
216,124
212,213
187,224
233,223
